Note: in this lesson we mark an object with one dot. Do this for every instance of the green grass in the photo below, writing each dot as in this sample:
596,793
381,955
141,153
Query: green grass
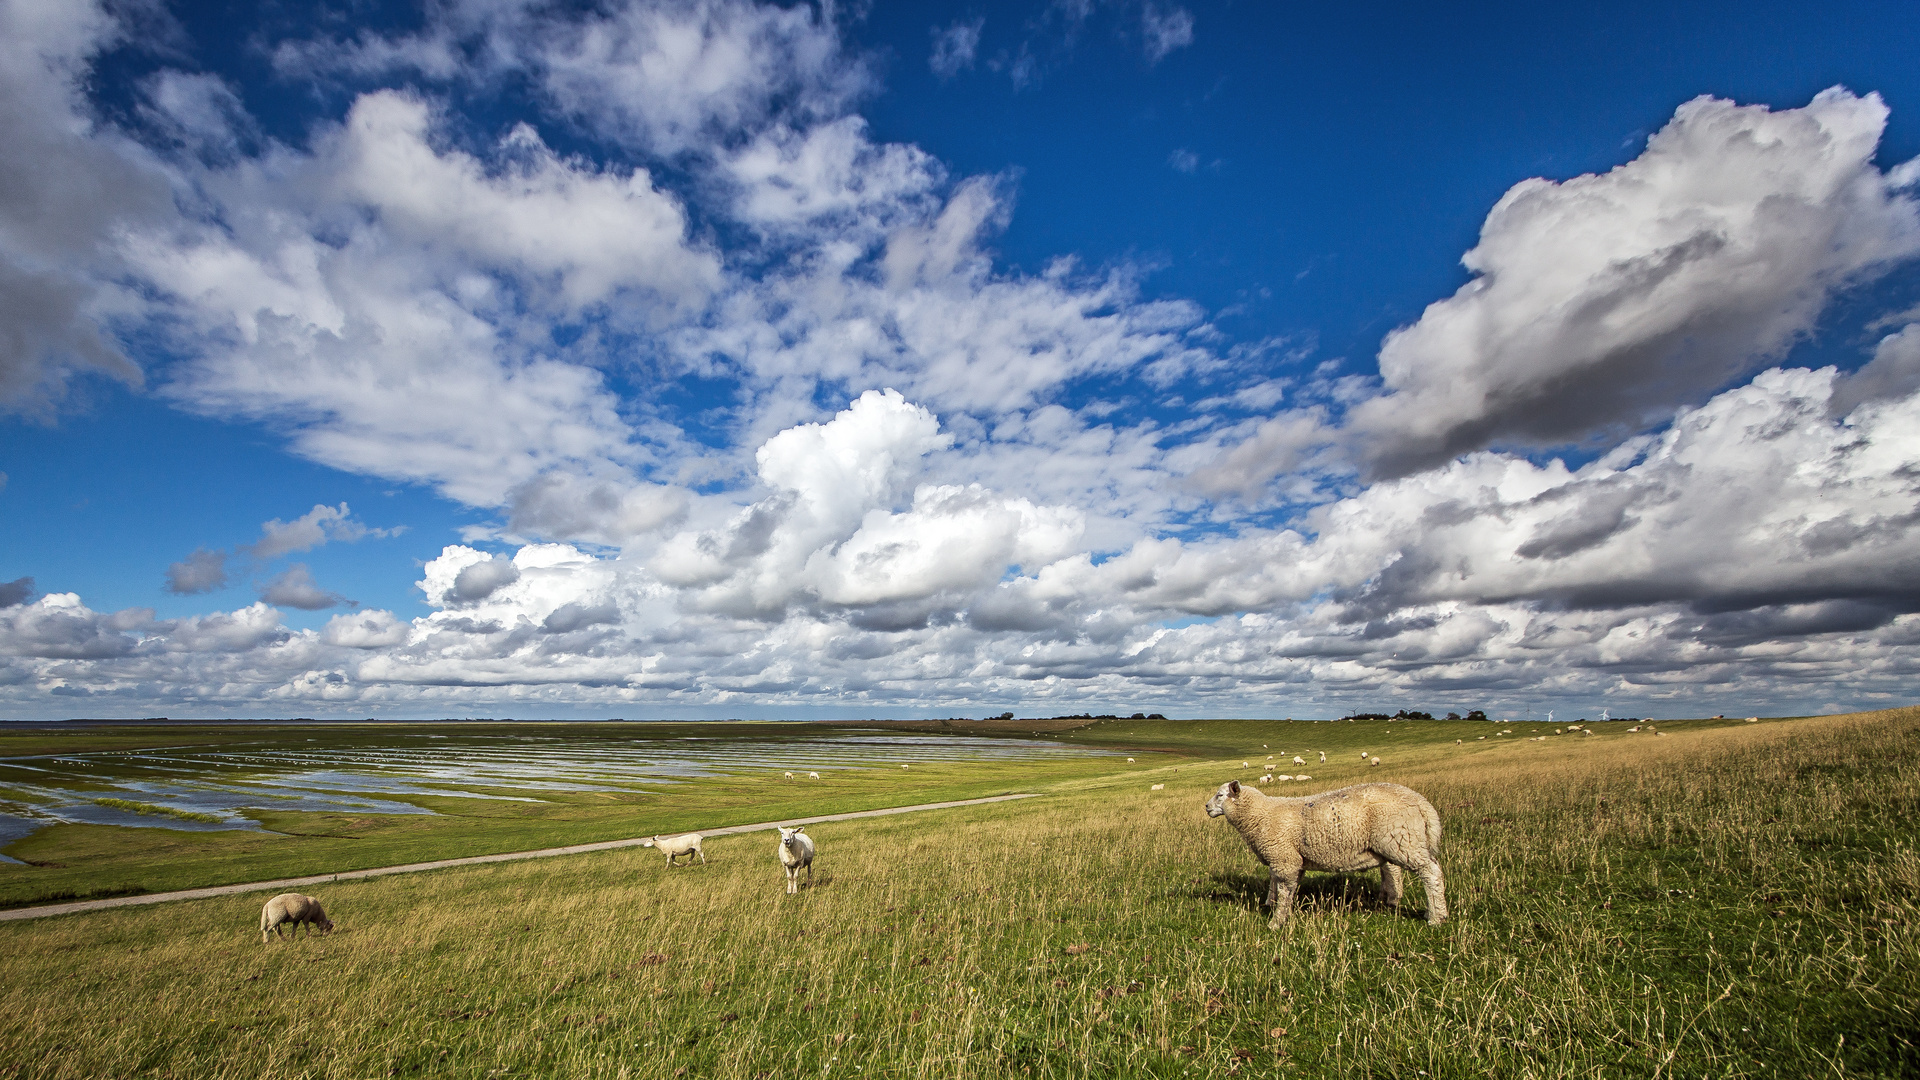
1725,901
78,861
151,809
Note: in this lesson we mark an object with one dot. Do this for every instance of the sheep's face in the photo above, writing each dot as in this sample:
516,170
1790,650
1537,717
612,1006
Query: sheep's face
1217,806
326,926
787,838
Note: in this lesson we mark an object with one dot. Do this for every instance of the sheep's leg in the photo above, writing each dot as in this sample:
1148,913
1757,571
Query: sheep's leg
1390,886
1280,888
809,875
1436,884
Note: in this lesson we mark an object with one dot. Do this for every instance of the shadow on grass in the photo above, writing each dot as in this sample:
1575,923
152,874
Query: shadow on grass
1318,892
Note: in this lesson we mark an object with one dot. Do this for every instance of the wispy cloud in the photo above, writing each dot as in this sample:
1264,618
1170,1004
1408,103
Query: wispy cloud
954,47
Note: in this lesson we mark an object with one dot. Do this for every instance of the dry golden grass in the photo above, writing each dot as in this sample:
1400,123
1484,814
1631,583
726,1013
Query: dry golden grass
1722,902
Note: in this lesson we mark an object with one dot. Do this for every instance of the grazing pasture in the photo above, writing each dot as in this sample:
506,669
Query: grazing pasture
1731,900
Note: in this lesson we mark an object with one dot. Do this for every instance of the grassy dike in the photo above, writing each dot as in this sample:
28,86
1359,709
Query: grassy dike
1723,900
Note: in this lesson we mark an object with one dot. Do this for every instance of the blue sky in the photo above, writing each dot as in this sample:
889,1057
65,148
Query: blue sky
730,359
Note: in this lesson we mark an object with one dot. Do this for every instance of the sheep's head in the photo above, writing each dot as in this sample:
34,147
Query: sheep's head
787,836
326,925
648,842
1217,805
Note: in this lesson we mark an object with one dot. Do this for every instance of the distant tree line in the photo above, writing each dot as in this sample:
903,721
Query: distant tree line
1415,714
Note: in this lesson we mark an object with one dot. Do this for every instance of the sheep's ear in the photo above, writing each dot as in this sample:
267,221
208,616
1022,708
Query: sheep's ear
1233,787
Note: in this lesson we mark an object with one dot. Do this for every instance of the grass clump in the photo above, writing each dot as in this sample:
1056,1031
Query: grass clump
1724,902
156,810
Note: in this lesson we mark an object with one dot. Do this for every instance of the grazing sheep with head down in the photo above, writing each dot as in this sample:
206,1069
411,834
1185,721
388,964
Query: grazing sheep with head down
676,846
796,851
292,909
1351,828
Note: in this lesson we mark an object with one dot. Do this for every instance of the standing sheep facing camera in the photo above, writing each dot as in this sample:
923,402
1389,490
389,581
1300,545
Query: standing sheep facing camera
796,851
1351,828
292,909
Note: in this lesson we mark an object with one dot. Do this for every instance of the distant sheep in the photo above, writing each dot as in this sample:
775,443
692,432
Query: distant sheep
1753,719
789,776
1267,779
1285,776
1298,760
1303,777
813,776
1375,762
1158,787
1129,761
796,851
292,909
1323,757
675,846
1352,828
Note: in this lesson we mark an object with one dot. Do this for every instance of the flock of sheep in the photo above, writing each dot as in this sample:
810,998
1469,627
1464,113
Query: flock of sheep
1360,827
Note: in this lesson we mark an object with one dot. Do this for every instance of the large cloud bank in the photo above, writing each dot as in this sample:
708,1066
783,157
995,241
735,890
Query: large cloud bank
898,509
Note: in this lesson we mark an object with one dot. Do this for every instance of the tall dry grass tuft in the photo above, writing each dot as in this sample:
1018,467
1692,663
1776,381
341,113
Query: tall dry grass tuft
1726,902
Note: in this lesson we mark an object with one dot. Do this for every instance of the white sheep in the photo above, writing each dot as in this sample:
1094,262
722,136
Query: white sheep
1267,779
1753,719
1246,764
1303,776
789,775
1298,760
796,851
1323,757
675,846
1158,787
1375,762
813,776
292,909
1352,828
1363,755
1129,761
906,766
1285,776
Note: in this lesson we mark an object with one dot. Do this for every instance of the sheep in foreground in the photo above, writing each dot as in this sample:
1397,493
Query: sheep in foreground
292,909
675,846
1351,828
796,851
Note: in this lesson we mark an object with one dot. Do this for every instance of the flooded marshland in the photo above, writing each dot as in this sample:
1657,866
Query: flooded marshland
220,785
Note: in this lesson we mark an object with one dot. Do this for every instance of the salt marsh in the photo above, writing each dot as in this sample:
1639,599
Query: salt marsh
223,785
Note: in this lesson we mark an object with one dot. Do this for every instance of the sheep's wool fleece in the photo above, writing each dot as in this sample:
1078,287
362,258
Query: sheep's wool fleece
1349,828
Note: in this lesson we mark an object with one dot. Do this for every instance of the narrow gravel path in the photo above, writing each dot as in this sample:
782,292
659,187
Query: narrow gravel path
475,860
